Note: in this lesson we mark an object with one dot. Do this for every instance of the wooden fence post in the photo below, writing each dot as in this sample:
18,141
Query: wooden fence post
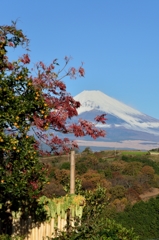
72,173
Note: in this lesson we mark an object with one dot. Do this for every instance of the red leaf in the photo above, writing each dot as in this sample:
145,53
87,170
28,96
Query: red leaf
101,118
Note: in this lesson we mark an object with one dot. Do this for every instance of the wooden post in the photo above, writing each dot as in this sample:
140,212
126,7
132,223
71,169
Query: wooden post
72,173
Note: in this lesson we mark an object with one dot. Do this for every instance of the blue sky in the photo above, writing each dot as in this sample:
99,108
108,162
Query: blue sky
118,41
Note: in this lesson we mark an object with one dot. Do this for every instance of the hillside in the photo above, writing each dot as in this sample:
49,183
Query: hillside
120,181
135,173
126,127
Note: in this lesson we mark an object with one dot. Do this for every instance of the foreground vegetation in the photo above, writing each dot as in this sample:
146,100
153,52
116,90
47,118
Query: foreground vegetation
38,101
143,217
125,176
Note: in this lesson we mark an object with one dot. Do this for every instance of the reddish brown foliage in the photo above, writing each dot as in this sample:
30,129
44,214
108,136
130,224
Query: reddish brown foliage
55,105
60,107
91,178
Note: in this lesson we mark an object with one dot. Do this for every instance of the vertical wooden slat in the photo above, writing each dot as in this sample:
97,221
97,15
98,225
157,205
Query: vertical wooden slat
53,227
47,229
59,222
41,230
44,230
36,232
61,225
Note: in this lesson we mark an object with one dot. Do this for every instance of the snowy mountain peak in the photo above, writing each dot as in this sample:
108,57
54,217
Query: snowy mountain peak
132,118
97,100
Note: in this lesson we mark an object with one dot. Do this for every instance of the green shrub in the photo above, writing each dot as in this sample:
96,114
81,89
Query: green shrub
7,237
143,217
81,168
65,165
94,224
101,229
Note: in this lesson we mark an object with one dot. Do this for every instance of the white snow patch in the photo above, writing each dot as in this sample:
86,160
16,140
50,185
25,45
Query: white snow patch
96,100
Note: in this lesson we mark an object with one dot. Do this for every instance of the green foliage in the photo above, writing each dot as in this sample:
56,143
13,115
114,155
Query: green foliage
101,229
81,168
154,150
93,225
96,201
87,150
65,165
144,160
143,217
136,153
58,206
118,192
132,168
78,187
22,176
108,173
126,176
7,237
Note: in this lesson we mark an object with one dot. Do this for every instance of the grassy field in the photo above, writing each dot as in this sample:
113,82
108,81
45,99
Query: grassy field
136,153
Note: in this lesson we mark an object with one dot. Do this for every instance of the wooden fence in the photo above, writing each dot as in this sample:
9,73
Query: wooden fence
61,213
38,231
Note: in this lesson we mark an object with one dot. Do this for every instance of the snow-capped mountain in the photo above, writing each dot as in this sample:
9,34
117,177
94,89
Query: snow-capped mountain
118,113
123,122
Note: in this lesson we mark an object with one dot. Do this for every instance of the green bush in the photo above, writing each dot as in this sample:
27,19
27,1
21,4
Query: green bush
81,168
7,237
101,229
65,165
94,224
143,217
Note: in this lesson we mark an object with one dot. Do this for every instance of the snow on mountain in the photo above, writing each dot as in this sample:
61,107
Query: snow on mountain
129,117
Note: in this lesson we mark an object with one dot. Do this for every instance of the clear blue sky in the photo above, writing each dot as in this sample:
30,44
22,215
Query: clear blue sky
118,40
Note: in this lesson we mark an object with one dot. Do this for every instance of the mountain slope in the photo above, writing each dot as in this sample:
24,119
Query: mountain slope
126,127
118,113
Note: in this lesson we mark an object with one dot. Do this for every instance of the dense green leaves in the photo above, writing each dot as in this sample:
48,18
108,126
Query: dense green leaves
143,217
22,176
94,225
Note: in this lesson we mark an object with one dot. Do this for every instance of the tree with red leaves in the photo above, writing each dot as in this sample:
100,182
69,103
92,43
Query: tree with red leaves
59,108
36,103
